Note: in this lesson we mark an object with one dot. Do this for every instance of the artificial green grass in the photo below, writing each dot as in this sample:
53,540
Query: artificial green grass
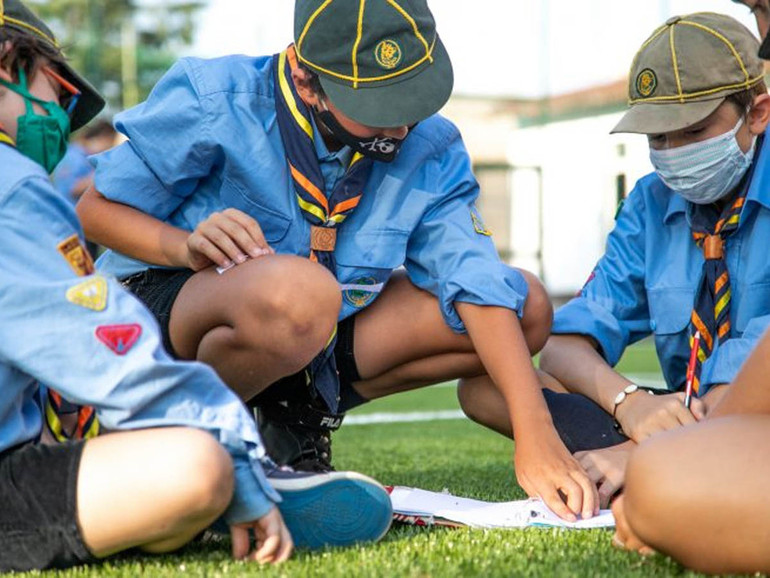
457,455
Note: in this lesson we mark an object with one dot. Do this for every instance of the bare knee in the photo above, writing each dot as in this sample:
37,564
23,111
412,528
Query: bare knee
301,307
651,492
538,313
201,472
467,391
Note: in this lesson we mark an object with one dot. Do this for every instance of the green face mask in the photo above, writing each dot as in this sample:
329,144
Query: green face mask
41,138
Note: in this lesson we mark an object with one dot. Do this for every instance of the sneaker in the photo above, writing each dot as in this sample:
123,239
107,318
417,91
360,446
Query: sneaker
298,438
331,509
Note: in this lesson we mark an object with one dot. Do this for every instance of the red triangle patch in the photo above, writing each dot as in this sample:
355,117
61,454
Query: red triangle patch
119,338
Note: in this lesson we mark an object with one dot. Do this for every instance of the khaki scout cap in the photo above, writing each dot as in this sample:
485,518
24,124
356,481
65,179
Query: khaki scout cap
684,71
381,62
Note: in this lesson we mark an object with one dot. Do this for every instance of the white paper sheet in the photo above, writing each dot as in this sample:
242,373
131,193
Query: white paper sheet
479,514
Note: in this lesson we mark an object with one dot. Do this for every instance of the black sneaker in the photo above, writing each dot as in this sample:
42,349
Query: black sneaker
331,509
298,437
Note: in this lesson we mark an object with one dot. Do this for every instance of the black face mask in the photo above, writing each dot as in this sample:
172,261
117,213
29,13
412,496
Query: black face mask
382,149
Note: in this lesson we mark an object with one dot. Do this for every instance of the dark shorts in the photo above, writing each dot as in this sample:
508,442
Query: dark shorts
158,289
38,517
581,424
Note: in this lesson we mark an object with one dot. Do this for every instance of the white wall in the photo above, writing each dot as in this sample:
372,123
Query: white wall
579,162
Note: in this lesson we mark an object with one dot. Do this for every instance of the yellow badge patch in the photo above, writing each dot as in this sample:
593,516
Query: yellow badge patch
646,82
388,54
76,255
91,294
478,224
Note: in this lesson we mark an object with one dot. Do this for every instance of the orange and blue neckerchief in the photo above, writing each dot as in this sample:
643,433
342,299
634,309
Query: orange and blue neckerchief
87,425
323,213
711,310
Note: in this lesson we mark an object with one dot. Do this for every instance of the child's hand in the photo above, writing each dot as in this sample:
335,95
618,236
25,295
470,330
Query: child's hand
545,468
224,239
274,543
624,537
642,415
606,468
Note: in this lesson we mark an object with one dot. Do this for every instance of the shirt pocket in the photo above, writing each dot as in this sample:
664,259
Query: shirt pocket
670,309
273,223
754,302
365,261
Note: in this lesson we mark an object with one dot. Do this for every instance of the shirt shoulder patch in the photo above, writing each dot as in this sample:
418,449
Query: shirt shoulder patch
119,338
91,294
77,255
478,223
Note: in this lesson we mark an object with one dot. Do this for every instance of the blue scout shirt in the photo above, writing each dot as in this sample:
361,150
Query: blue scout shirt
88,338
647,279
71,169
207,139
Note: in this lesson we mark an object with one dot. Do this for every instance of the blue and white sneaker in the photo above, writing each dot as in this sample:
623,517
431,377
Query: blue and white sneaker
331,509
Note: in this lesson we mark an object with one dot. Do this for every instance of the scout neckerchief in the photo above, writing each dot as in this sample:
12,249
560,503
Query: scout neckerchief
87,425
296,127
711,310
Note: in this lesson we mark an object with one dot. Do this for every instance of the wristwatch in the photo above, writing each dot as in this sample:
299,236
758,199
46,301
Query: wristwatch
621,397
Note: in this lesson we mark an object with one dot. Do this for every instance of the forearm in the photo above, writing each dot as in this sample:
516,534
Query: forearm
499,342
574,361
131,232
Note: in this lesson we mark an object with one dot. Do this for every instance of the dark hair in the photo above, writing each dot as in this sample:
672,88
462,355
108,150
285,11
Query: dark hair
314,81
25,51
745,98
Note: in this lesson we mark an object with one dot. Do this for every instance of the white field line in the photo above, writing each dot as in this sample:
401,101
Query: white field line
648,379
393,417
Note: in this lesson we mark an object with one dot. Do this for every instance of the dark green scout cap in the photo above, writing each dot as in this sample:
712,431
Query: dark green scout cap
684,71
380,62
14,14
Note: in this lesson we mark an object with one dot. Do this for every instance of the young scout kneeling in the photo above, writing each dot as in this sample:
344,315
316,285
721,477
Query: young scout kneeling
185,450
308,178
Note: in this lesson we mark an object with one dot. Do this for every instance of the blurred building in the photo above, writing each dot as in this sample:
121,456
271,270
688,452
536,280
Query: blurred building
551,176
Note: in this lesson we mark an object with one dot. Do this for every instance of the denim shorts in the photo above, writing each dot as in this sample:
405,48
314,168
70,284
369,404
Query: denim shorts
38,517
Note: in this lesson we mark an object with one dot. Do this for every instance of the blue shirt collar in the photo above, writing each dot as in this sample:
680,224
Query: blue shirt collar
759,192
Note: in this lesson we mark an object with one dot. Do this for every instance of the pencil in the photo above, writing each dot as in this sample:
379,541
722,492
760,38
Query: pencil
691,369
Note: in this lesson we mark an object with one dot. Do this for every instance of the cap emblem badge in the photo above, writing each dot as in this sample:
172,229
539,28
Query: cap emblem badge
646,82
388,54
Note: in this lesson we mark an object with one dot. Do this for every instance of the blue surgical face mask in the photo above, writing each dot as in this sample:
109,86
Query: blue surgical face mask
706,171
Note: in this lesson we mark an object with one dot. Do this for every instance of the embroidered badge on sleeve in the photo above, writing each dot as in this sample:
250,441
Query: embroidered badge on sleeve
77,255
119,338
91,294
478,223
